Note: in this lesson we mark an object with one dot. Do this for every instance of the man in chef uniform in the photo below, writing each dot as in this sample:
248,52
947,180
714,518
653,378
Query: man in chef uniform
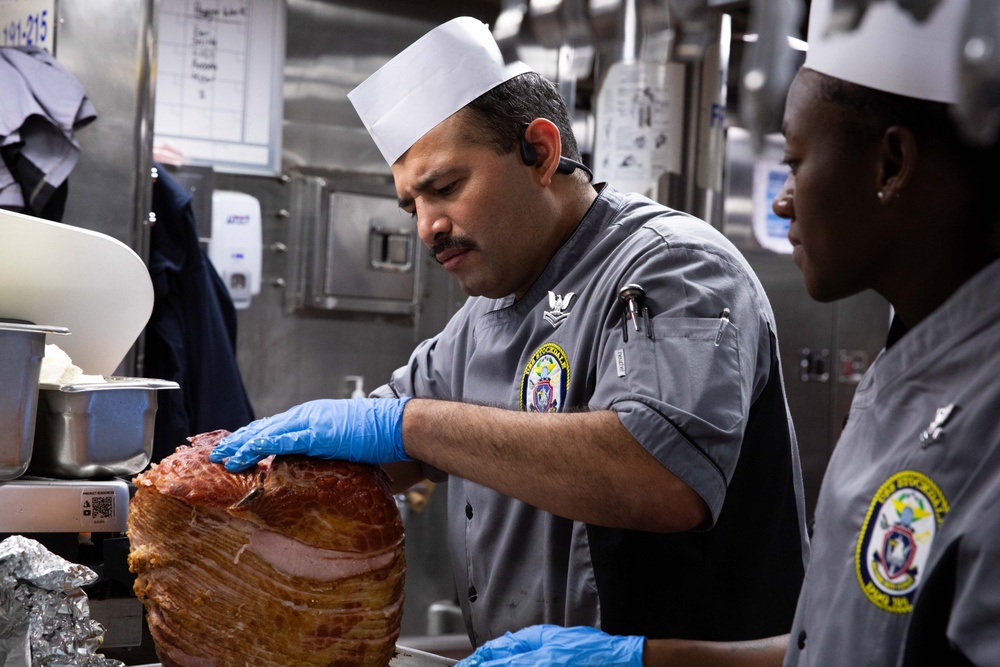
609,450
893,187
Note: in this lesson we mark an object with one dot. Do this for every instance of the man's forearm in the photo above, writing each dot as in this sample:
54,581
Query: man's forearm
584,466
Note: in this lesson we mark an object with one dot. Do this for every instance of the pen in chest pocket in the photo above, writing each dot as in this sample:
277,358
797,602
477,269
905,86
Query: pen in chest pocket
634,297
723,323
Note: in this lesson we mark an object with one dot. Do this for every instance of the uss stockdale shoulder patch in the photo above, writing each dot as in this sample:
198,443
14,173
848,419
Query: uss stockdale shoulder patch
545,380
903,519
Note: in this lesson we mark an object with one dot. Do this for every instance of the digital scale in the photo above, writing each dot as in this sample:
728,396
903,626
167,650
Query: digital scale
64,506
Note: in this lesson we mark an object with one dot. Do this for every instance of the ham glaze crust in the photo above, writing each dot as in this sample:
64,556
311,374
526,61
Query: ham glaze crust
296,562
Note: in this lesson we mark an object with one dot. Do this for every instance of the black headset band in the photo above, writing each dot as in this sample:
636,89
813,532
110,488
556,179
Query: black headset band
566,165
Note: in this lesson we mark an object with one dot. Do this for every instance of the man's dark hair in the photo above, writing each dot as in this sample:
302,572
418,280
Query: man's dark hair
498,116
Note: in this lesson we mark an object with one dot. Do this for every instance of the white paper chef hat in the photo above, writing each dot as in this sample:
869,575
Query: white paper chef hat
891,50
428,81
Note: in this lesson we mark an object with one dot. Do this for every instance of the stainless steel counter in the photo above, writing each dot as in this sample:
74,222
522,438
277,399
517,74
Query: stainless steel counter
405,657
408,657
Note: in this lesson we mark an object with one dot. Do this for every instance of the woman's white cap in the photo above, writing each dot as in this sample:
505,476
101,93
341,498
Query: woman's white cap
891,49
428,81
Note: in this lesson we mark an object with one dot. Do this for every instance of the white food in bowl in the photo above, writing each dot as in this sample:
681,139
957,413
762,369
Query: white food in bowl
58,368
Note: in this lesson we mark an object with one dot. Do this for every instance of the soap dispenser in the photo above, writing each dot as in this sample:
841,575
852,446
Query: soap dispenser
359,386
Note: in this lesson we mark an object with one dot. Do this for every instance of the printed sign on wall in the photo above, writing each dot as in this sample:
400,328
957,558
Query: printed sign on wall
28,23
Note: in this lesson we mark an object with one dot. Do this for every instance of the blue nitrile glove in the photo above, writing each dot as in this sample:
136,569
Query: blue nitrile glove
557,646
363,430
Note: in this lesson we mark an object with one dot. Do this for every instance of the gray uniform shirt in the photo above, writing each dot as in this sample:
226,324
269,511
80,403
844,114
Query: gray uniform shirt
684,393
906,544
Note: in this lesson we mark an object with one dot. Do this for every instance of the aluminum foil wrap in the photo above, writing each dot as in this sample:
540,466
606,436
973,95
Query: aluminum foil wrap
44,613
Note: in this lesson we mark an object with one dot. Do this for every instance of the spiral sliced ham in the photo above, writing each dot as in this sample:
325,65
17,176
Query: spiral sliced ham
296,562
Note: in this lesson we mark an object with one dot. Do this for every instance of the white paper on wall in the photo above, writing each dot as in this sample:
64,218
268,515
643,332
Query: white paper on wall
639,117
218,101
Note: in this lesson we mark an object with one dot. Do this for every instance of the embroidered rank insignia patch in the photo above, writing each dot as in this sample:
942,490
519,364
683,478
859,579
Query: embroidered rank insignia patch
558,305
903,518
545,380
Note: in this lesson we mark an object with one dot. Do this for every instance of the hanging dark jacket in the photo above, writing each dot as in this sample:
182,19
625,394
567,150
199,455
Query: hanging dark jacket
191,335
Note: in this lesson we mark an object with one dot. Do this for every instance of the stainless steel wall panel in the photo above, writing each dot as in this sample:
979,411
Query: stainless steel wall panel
333,46
109,45
330,50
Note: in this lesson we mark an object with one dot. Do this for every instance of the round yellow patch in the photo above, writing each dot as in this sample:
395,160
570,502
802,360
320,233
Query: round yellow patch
545,380
903,519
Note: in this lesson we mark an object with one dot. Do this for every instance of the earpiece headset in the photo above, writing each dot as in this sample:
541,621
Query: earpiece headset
566,166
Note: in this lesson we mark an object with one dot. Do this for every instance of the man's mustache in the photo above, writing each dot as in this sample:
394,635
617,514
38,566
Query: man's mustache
457,243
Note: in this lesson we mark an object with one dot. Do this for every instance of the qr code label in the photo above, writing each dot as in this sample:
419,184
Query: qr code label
98,507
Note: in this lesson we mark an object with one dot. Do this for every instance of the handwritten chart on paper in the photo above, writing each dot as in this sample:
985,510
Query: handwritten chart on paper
218,82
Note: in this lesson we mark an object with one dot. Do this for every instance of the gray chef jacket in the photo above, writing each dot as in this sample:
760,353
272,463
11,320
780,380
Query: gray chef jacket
905,565
703,394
